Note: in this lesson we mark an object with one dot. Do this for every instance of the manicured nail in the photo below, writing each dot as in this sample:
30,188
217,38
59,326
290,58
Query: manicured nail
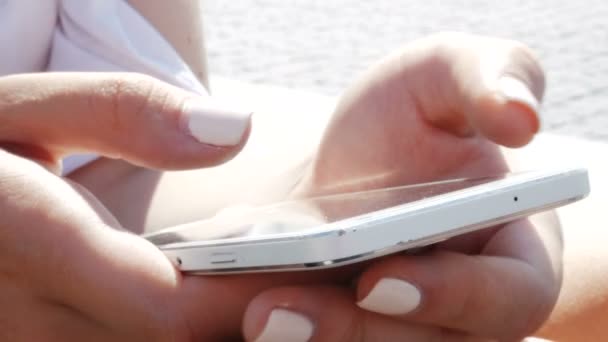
285,325
391,296
514,89
213,123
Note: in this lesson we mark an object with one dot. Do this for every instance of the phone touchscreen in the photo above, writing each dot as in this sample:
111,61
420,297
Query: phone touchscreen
303,216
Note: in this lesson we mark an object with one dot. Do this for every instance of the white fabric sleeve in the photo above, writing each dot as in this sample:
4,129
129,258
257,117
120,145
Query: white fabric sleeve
26,30
109,35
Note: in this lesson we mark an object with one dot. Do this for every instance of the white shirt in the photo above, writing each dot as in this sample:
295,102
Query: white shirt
86,35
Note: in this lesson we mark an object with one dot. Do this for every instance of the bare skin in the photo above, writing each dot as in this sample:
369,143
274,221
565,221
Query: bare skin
148,278
329,162
69,271
583,301
584,260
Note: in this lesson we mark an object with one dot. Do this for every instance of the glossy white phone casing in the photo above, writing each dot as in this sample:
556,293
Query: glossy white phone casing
382,232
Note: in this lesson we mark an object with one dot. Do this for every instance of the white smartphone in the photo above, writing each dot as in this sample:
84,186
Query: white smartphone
336,230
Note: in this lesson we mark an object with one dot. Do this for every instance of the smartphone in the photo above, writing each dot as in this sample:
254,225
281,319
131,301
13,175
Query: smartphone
336,230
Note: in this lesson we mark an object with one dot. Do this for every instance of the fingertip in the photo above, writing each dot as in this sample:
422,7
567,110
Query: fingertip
391,296
406,264
483,295
514,89
254,320
283,325
508,122
179,151
325,314
392,286
274,316
215,123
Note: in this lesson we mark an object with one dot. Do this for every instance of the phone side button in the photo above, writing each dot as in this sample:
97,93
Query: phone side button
223,258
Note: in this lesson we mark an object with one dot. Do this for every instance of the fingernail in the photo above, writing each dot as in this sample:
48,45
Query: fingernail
285,325
514,89
391,296
213,123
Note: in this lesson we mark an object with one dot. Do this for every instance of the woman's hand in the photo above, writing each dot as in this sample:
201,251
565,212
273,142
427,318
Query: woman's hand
437,109
68,271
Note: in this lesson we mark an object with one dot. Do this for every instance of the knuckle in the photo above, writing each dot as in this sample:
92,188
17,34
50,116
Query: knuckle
467,304
468,296
446,51
122,99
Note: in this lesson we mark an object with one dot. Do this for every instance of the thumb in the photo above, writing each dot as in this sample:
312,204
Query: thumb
129,116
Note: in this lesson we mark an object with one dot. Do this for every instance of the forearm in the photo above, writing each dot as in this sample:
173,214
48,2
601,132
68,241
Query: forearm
180,22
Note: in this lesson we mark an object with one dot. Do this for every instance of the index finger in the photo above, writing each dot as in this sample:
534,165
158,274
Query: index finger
129,116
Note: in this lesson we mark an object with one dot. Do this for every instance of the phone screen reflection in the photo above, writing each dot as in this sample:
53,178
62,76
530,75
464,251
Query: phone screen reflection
301,216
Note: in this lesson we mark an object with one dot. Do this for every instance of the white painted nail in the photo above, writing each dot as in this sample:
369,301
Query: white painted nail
391,296
213,123
284,325
514,89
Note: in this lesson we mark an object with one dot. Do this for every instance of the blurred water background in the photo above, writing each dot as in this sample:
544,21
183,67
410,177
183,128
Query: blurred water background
323,45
